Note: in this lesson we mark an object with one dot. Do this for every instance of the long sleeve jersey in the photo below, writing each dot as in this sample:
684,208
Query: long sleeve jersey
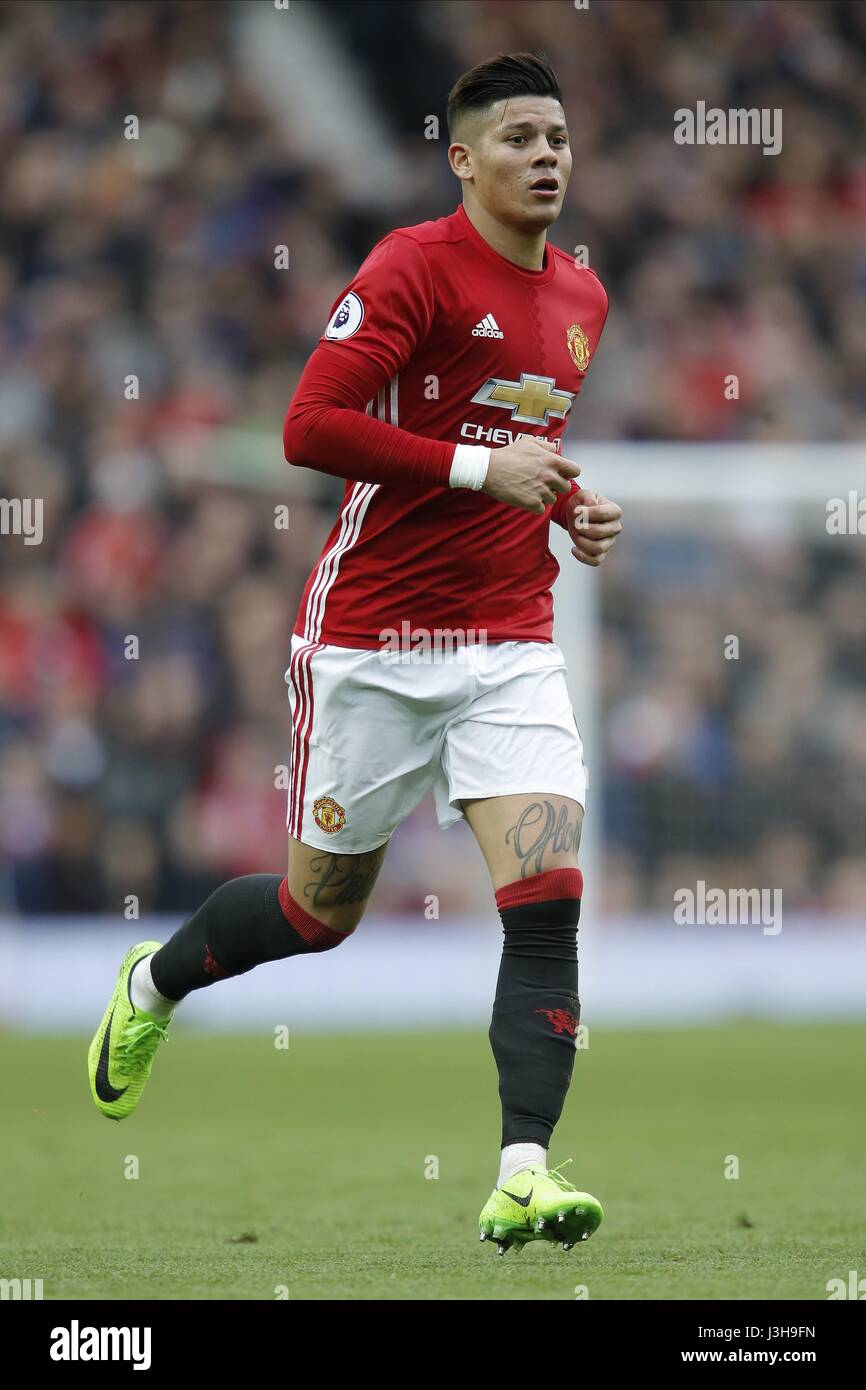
438,341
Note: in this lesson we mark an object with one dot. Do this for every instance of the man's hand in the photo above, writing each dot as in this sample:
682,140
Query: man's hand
528,473
593,524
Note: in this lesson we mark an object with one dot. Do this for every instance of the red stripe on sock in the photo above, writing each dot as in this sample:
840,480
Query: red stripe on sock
552,884
316,933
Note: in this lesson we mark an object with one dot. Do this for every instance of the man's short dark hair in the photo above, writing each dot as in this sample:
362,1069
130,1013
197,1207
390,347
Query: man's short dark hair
506,75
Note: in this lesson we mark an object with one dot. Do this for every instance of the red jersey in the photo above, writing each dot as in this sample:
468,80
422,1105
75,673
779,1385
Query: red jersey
438,341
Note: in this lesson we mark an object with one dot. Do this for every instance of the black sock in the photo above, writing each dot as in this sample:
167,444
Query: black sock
535,1016
239,926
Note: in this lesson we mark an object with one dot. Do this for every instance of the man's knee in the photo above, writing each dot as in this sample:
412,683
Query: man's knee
328,927
552,897
341,919
333,888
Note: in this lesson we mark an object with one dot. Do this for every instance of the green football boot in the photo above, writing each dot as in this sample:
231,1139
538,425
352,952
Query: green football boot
121,1053
539,1204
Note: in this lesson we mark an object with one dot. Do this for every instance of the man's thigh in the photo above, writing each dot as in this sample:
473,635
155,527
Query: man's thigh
366,735
333,887
518,735
525,834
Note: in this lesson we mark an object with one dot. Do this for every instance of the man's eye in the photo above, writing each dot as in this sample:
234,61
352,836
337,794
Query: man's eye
558,139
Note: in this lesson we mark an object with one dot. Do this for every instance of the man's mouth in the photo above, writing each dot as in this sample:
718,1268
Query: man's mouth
545,187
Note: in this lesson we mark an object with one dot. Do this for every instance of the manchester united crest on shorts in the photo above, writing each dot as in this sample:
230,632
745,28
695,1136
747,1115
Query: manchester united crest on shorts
329,815
578,346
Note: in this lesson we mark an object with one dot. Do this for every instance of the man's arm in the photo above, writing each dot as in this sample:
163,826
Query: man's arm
326,427
375,327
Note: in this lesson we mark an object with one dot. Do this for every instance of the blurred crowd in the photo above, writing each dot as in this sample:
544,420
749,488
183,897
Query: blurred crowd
149,346
735,736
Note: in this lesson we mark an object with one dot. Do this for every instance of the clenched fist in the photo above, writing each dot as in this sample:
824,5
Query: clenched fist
593,524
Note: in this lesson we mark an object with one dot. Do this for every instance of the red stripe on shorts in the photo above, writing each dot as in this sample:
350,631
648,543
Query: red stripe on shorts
302,680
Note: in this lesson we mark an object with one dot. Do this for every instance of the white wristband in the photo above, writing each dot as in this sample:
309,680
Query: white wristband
469,466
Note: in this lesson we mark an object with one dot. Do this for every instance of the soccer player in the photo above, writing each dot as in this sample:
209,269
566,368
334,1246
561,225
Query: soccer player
422,656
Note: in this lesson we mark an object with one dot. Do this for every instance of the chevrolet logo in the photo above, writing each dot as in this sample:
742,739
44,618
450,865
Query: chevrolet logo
532,400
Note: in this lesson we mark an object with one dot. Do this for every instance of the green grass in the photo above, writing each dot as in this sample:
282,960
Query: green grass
305,1168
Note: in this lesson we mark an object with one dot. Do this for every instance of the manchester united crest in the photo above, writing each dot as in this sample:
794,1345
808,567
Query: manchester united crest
578,347
329,815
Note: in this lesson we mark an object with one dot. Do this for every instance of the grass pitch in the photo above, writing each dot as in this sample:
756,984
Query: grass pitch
303,1170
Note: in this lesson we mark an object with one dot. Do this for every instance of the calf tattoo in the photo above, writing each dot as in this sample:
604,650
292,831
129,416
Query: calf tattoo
538,828
343,878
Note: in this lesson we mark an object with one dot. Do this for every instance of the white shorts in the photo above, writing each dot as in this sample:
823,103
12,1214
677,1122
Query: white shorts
373,731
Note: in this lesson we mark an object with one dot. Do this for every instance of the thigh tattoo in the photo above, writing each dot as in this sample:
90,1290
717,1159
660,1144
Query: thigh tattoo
538,828
342,878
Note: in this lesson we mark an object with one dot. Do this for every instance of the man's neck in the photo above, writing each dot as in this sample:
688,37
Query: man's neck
524,249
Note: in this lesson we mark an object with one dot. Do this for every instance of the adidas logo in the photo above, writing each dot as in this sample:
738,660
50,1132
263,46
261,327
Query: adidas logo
487,328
